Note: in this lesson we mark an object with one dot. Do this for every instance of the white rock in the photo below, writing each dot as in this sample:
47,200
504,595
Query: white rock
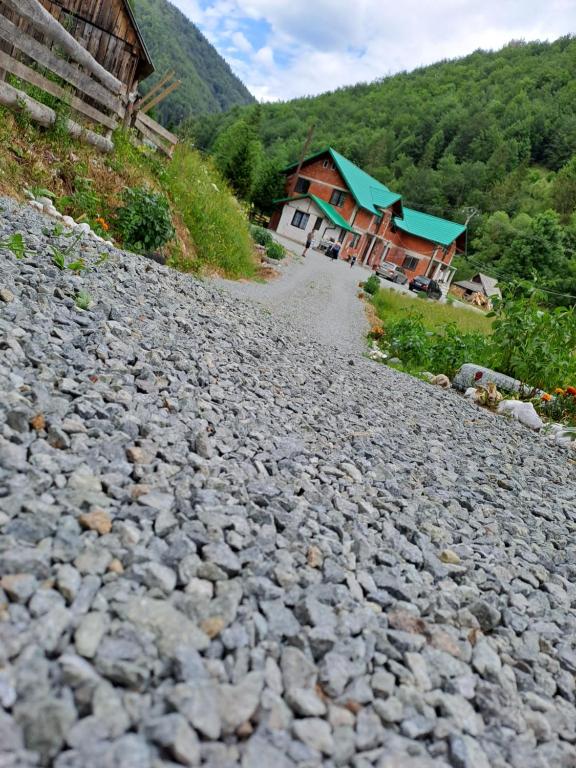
83,227
68,221
525,413
35,204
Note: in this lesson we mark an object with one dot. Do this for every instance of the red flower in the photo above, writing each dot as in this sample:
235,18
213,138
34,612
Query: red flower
571,390
478,375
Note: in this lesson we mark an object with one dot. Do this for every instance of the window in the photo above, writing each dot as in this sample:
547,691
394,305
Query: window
342,236
355,240
338,198
300,219
318,224
410,262
302,186
326,164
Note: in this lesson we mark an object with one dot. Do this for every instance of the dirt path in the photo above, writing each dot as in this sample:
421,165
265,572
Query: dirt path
316,294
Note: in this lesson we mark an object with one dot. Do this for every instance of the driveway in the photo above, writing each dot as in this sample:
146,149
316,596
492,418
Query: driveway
317,295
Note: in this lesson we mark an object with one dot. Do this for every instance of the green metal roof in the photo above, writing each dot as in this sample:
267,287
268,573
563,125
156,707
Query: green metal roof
431,228
332,213
368,192
327,209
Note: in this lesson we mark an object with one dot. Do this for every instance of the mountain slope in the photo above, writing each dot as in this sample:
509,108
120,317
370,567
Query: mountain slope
174,42
485,130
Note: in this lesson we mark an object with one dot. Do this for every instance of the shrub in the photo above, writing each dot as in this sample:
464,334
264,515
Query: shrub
442,351
144,221
216,222
532,343
261,236
372,285
275,251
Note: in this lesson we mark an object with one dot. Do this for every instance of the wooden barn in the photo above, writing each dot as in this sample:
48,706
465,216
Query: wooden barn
105,28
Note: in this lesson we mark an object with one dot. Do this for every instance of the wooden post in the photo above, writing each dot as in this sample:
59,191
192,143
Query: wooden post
302,158
140,103
161,96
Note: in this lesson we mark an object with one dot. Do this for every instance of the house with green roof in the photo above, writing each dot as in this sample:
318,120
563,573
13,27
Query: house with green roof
333,199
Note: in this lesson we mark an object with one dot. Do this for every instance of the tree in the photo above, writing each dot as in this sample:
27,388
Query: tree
537,250
268,186
238,154
564,188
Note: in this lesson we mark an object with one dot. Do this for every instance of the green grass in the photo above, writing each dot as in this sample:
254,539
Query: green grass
391,306
217,223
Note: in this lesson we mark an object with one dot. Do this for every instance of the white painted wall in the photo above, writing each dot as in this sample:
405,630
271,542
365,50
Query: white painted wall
285,227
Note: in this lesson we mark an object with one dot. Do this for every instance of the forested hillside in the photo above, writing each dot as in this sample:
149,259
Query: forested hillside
208,83
494,132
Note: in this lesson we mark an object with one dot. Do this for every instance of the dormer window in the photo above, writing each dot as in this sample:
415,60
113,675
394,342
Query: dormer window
302,186
338,198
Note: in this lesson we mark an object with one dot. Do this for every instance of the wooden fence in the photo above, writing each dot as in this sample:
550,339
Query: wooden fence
36,49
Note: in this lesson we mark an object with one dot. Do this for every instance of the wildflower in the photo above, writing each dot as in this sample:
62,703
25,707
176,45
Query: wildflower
571,390
546,397
559,391
103,223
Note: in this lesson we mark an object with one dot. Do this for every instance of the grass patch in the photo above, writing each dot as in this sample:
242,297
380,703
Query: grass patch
211,227
391,306
216,221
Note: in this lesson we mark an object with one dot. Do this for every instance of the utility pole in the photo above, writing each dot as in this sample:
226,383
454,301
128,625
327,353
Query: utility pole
471,213
302,158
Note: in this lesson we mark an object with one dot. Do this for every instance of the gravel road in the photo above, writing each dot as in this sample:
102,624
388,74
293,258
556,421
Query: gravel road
225,544
317,296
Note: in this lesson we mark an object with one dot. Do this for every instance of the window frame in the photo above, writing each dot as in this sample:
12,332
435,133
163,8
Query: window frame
303,216
413,262
340,195
355,240
304,182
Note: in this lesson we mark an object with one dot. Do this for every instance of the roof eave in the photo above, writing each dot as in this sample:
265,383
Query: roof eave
150,69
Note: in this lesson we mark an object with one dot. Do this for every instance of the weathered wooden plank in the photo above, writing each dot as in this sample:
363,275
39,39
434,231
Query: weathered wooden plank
147,96
161,96
35,78
34,12
20,102
152,136
69,72
156,127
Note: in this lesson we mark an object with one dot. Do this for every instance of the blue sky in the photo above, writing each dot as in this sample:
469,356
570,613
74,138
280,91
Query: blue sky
282,49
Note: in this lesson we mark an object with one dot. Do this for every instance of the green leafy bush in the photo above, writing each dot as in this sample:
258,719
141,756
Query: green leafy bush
532,343
260,235
372,285
443,351
275,251
144,222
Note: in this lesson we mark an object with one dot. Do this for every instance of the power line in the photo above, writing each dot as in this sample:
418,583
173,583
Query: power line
501,276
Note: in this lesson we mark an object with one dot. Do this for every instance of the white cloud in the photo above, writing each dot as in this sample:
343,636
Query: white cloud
311,46
241,43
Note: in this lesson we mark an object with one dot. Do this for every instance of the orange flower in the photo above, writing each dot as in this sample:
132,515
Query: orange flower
571,390
546,397
103,223
559,391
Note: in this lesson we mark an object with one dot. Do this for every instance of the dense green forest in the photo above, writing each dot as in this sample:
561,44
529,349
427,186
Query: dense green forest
491,136
174,42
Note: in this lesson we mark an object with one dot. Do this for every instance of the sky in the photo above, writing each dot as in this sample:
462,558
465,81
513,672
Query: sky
283,49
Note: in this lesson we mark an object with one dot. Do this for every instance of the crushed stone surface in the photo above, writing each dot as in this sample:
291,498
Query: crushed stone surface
226,541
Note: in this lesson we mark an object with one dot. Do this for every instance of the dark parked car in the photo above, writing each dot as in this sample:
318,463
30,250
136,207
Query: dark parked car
392,272
426,285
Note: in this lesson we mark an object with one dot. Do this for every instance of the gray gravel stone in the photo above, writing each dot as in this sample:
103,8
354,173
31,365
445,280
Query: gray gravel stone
220,547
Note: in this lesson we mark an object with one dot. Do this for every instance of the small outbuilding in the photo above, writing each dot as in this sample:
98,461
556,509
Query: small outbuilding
480,283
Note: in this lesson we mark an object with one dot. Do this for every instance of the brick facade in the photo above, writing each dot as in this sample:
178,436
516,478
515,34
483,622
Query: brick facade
379,239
